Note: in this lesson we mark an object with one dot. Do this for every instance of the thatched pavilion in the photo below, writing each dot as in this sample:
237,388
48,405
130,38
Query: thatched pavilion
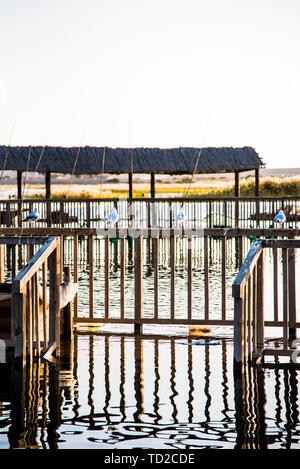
103,160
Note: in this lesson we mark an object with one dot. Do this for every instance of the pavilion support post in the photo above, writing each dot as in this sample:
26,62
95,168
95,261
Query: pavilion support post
19,183
48,184
152,186
257,182
237,194
130,185
20,196
257,195
237,184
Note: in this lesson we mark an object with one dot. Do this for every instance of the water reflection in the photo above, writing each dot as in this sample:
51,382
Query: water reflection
120,391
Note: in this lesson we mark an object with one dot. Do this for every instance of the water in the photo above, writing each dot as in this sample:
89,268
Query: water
162,390
125,392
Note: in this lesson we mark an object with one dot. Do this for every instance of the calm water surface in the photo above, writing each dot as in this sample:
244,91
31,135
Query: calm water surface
120,391
162,390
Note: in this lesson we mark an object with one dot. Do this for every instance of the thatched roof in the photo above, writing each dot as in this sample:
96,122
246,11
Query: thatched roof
89,160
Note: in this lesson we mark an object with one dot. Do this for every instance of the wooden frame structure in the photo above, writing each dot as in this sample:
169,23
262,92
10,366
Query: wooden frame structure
248,293
35,319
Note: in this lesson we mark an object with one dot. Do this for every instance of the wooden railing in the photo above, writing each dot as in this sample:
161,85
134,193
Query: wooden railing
234,212
249,310
125,257
35,320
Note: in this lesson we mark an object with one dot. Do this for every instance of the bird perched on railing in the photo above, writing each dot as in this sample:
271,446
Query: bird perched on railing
33,216
280,217
113,217
180,216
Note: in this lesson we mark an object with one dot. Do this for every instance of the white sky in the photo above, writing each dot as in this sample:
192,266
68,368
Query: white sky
152,73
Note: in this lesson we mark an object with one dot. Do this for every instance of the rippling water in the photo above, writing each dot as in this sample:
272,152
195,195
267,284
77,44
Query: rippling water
161,390
121,391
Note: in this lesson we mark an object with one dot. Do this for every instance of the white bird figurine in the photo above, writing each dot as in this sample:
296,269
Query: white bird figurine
280,217
180,216
33,216
113,217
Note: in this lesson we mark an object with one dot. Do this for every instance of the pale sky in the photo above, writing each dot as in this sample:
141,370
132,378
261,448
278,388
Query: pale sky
152,73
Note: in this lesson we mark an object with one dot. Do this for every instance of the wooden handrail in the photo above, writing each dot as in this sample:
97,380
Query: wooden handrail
34,264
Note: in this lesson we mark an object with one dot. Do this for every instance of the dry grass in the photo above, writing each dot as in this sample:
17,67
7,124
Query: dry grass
210,187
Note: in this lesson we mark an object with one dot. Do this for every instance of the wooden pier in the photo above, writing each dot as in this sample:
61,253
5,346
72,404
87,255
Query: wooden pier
125,250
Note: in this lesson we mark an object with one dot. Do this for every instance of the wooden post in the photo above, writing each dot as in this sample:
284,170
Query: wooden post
292,293
237,184
239,339
138,284
66,314
130,185
48,184
257,182
19,183
54,300
172,269
106,276
237,194
2,263
19,325
75,273
155,244
206,279
122,278
224,239
20,196
152,185
190,277
260,301
91,275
